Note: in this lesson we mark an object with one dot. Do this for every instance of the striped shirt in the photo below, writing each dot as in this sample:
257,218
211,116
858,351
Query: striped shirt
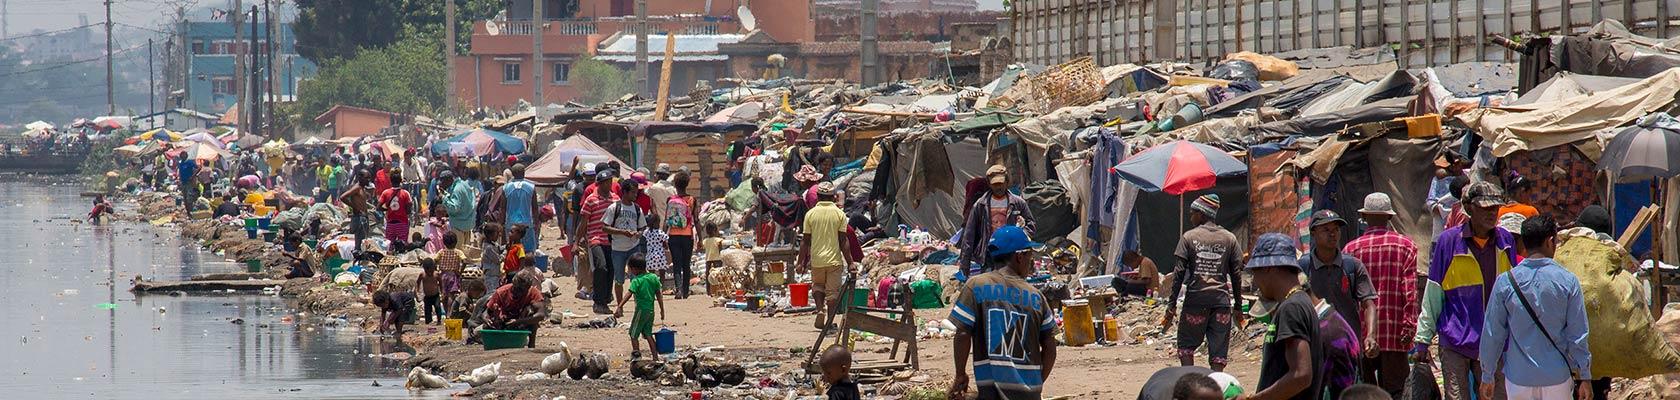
1008,319
594,222
1391,261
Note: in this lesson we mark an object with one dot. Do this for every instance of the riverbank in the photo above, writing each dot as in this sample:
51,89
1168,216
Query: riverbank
770,350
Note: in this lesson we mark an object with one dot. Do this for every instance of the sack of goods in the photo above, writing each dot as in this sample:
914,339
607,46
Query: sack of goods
1618,315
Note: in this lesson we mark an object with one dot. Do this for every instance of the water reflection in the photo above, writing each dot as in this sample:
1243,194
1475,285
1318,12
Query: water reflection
79,333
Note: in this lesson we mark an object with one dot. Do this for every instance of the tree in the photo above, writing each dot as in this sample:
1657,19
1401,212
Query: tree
328,29
405,77
598,82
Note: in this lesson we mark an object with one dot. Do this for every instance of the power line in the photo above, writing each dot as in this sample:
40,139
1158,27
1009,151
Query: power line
48,32
65,64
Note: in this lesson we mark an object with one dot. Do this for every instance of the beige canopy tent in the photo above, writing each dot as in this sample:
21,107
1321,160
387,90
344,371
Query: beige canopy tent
555,166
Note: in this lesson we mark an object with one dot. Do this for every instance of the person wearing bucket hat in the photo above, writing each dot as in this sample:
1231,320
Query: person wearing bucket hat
1207,275
1464,262
988,214
1291,353
1390,259
1027,335
823,250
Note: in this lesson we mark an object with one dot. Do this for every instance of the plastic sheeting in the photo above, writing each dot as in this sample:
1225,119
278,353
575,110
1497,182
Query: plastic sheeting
1327,123
1566,85
1620,332
1550,124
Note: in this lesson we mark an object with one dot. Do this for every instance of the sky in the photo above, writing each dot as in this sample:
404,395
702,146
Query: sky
24,16
991,4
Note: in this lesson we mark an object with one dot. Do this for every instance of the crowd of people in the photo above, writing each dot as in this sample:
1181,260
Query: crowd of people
1500,315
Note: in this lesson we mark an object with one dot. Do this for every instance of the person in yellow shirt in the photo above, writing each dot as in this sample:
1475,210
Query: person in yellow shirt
822,251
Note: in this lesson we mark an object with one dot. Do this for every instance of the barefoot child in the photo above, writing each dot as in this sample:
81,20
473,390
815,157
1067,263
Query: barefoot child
645,287
431,290
394,310
491,262
450,262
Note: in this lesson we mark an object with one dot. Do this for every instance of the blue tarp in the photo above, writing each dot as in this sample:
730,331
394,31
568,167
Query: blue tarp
1630,197
505,143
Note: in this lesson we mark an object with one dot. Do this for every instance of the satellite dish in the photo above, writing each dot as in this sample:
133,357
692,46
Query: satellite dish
747,20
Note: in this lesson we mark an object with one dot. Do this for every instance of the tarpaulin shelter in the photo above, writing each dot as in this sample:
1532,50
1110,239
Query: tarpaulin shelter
1567,85
481,142
1608,49
554,167
166,135
206,138
1543,125
200,151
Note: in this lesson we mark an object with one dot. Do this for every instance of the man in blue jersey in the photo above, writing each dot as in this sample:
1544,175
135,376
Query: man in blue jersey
1006,323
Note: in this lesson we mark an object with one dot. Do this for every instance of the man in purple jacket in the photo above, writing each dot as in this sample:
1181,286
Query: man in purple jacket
1463,265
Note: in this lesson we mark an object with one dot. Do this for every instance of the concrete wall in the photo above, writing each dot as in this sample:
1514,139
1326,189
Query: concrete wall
483,86
899,26
356,123
1431,32
893,67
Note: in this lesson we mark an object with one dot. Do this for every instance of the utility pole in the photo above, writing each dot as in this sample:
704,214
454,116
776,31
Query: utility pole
255,93
110,82
448,53
151,92
239,90
5,20
184,68
268,65
537,102
641,48
867,45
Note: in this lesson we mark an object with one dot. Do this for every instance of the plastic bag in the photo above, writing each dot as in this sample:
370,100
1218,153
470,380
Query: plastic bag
1420,384
1235,70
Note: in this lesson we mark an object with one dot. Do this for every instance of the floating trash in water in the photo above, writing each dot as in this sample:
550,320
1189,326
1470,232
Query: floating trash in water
103,306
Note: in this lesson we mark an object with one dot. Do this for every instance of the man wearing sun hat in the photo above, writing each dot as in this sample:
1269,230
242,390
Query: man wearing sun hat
1292,353
1390,260
1464,262
1004,323
991,212
1207,274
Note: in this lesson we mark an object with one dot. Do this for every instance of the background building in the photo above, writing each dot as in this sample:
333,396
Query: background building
211,48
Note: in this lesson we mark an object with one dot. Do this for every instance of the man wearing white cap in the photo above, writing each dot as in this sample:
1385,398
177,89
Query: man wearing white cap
660,190
1390,260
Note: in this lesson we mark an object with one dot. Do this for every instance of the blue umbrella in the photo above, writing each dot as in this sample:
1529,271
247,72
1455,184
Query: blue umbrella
504,143
1178,167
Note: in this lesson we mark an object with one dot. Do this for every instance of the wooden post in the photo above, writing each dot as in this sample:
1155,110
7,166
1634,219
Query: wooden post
661,105
1660,293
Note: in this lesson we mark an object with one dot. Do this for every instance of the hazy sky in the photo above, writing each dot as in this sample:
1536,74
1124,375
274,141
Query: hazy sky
24,16
991,4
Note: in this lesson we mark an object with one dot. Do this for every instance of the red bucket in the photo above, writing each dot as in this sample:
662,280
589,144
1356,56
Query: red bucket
799,294
740,295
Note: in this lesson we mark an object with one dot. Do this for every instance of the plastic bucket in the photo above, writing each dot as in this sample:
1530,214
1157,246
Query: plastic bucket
264,222
1111,329
665,341
500,339
1076,320
250,224
741,296
335,266
452,328
250,233
270,236
542,262
860,297
799,294
253,266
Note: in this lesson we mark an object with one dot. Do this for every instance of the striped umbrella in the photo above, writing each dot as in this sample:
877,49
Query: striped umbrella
1178,167
1644,150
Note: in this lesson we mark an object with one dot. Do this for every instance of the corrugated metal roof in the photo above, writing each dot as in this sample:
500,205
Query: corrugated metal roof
686,44
656,57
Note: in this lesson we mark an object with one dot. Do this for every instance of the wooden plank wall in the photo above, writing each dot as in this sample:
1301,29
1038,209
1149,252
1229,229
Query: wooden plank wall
1424,32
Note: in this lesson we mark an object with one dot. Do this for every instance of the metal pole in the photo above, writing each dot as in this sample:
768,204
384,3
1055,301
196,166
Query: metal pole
110,85
641,48
255,93
449,100
537,102
867,45
151,76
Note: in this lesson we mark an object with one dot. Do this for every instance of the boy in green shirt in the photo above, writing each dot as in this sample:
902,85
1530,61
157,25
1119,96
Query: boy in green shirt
645,288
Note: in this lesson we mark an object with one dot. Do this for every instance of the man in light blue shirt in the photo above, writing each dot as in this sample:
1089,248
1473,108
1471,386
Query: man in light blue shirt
1544,359
521,198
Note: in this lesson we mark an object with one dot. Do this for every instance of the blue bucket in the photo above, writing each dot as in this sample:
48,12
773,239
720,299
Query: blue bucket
542,262
665,341
264,223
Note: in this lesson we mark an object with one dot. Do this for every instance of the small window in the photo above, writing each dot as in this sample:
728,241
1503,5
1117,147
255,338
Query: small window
510,72
562,72
198,47
221,85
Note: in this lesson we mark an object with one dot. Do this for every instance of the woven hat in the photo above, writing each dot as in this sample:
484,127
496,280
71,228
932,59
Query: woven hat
1378,203
1207,205
825,189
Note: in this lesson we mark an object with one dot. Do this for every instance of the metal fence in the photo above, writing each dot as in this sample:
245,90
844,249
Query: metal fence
1423,32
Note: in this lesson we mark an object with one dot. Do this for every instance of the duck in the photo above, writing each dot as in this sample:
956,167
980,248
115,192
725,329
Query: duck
419,379
557,363
482,375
